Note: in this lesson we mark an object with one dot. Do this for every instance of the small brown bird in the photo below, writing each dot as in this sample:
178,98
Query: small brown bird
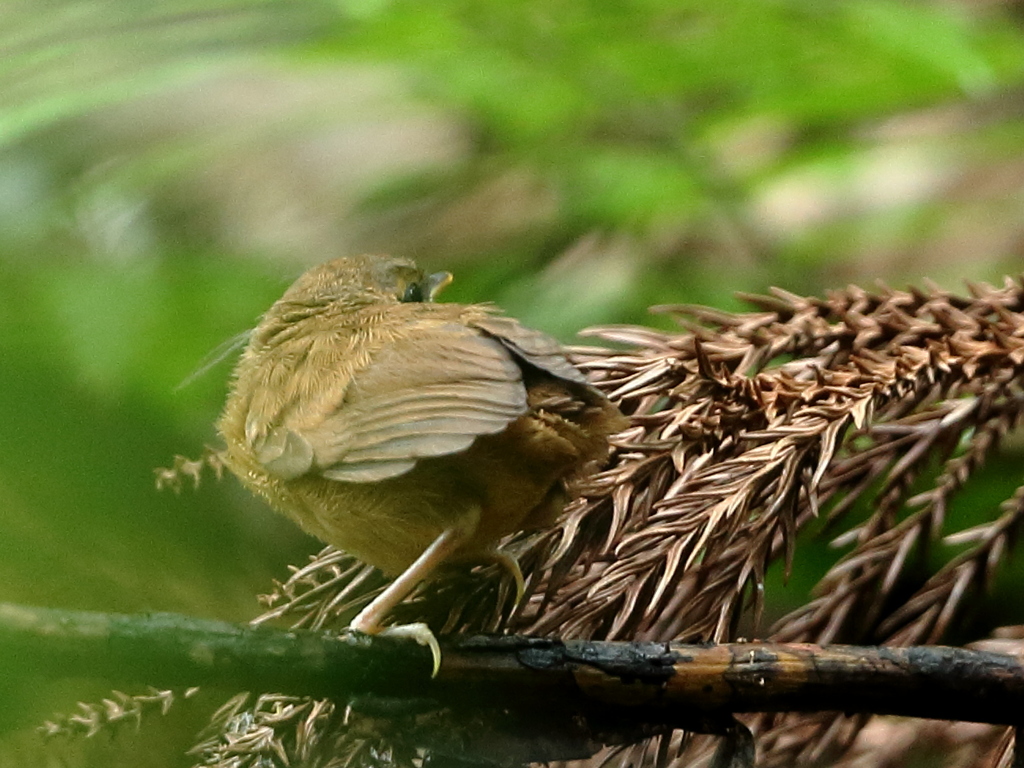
408,433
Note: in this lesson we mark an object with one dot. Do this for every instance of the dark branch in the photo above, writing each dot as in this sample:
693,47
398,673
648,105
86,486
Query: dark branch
663,681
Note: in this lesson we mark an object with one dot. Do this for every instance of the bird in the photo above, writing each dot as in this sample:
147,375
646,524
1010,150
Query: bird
409,433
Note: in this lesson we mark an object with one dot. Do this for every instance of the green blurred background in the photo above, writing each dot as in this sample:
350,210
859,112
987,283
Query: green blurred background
166,169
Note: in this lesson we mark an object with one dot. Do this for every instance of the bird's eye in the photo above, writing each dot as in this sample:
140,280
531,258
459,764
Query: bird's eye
413,292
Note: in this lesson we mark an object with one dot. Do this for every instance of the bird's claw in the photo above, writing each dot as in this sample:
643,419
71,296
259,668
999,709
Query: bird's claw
421,634
511,565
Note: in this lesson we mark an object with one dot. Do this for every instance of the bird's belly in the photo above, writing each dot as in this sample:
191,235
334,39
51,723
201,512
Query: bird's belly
389,523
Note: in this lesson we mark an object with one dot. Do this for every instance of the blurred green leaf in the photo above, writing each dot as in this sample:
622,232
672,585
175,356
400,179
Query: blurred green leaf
61,58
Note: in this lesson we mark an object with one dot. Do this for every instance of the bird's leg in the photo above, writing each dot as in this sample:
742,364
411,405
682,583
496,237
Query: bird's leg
369,619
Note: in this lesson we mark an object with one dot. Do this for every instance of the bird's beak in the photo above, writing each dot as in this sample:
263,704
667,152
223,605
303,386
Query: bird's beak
435,283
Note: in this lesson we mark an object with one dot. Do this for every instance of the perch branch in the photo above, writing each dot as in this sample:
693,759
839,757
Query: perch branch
665,680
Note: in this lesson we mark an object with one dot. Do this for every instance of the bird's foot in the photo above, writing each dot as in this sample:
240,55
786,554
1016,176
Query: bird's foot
418,632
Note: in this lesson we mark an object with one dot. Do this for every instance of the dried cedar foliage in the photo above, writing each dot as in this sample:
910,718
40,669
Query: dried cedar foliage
864,413
113,712
750,426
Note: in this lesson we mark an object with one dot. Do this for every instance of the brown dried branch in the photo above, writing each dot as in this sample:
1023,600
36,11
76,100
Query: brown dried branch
115,711
332,584
730,456
184,468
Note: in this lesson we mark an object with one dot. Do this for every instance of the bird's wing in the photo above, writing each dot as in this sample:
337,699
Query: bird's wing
428,394
536,348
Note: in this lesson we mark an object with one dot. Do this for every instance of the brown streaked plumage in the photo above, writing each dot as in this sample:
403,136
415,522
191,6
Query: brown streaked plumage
405,432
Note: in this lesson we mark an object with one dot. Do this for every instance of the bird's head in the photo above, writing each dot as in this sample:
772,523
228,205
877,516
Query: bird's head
367,279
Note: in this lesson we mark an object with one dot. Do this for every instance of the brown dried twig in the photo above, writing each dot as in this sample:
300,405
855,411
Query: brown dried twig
117,710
